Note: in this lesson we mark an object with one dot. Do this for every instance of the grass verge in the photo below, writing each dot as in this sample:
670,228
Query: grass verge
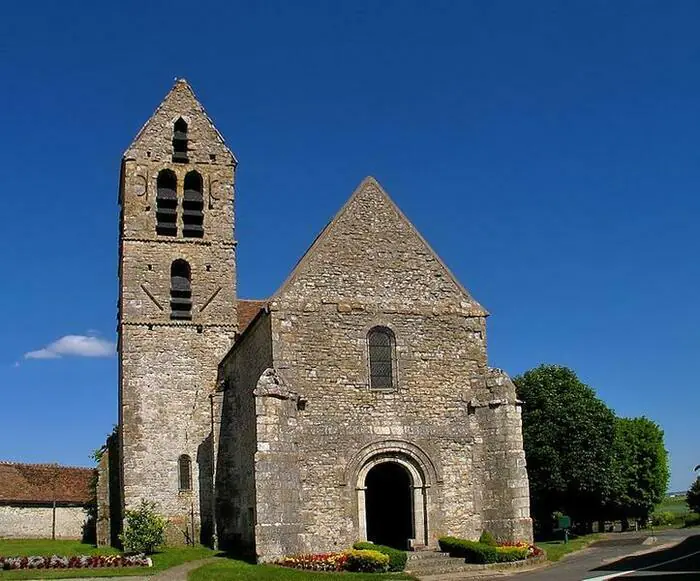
164,559
232,570
557,549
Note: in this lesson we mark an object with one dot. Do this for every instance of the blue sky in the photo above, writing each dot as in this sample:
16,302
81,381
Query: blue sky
547,150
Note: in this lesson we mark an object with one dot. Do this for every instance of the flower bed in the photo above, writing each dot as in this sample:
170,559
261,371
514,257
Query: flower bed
356,560
74,562
319,562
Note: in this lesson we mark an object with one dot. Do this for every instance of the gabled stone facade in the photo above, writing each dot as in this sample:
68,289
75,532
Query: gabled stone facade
358,395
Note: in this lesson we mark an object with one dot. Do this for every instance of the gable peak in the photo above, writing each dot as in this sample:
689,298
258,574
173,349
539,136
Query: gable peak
179,103
370,209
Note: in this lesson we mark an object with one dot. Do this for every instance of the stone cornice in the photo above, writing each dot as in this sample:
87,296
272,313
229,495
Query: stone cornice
191,241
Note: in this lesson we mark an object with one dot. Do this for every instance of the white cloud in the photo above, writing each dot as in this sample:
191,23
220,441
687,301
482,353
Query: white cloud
74,346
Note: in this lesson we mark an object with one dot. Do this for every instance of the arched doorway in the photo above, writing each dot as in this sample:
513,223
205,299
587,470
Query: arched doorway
389,505
418,476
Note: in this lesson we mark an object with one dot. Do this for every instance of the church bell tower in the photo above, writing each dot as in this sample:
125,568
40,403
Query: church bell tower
177,309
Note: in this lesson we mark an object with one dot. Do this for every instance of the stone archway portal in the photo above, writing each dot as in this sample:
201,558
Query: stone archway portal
391,498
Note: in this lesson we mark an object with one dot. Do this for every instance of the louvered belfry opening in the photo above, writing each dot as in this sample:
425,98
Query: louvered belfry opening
166,203
180,141
180,290
193,207
381,356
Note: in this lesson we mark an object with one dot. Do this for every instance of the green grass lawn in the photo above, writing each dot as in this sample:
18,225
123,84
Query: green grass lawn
557,549
676,505
164,559
232,570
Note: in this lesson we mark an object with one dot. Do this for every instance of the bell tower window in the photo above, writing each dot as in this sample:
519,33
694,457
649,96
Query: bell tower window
166,203
193,207
180,290
180,141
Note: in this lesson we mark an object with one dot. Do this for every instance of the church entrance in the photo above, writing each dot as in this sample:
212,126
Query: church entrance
389,505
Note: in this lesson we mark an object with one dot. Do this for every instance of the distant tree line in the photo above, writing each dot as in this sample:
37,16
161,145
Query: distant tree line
583,460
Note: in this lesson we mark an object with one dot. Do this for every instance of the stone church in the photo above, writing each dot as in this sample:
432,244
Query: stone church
354,403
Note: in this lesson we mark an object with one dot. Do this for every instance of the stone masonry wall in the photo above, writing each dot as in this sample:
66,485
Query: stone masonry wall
323,355
280,526
28,522
506,491
236,499
168,369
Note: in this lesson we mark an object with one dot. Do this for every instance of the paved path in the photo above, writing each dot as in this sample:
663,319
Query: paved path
674,557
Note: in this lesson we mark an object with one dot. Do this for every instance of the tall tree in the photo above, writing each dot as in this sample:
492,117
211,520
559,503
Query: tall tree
693,496
639,475
568,434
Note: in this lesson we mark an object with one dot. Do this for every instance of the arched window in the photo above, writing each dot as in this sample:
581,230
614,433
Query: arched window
193,207
184,468
180,141
166,203
180,290
381,358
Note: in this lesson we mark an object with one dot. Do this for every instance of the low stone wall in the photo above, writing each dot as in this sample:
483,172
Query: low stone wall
25,522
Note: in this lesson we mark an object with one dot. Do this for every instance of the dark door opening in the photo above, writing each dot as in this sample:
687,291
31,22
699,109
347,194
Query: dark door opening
388,505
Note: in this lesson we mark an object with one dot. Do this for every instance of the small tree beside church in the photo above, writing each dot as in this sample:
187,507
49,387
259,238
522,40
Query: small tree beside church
145,529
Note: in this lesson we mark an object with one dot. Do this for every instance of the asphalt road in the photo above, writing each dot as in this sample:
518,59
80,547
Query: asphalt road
615,559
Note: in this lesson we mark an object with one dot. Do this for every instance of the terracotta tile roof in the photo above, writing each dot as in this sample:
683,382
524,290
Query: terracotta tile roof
247,310
36,483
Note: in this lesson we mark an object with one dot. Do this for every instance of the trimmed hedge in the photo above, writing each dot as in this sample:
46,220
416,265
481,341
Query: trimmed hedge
481,553
470,551
397,558
366,561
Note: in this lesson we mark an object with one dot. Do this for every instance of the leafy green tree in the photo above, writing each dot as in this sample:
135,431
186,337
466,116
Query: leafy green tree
145,529
639,469
693,496
568,435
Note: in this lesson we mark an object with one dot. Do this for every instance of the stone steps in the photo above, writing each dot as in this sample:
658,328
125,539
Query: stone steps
423,563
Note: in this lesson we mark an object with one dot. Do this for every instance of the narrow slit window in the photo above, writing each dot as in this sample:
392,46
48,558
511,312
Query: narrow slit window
185,472
381,358
193,206
180,290
180,141
166,203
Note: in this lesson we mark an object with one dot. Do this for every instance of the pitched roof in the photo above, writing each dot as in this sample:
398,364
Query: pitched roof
181,93
247,311
371,184
44,483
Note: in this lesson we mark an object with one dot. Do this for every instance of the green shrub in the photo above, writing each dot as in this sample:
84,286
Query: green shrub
659,519
510,554
397,558
663,518
692,520
144,531
487,538
366,561
470,551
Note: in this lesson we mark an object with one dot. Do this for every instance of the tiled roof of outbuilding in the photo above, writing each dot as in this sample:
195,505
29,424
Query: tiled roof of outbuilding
44,483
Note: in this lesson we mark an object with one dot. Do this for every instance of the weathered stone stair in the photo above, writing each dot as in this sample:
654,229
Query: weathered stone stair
424,563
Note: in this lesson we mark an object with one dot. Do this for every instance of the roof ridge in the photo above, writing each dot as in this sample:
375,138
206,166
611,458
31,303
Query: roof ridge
44,465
